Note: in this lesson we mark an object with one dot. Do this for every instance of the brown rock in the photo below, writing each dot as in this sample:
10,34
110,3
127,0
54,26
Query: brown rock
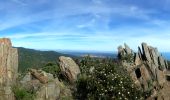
5,41
145,73
8,68
137,59
69,68
160,77
148,67
40,76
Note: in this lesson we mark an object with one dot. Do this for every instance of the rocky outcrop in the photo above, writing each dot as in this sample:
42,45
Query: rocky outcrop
8,68
69,68
147,67
45,85
51,89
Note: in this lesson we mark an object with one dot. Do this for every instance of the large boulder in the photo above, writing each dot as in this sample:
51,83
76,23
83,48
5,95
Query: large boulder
8,68
69,68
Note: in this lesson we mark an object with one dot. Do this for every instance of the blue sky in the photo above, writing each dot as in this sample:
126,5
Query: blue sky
99,25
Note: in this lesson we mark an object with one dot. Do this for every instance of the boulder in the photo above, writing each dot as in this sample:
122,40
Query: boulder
39,75
69,68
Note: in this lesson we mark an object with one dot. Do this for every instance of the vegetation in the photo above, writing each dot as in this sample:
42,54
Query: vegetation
52,68
105,79
23,94
29,58
128,57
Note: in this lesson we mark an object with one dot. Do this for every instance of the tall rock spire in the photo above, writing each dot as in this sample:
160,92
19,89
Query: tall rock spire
8,68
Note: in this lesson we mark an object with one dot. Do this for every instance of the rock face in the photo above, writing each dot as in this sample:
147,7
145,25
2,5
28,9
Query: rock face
8,68
45,85
69,68
147,67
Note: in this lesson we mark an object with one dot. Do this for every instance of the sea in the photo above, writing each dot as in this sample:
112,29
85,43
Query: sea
108,54
166,55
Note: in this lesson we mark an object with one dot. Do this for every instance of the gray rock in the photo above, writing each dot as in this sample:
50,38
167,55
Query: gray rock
146,52
120,49
161,63
154,57
26,78
127,49
140,53
49,91
69,68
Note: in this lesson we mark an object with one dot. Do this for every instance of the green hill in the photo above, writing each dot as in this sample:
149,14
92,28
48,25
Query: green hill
30,58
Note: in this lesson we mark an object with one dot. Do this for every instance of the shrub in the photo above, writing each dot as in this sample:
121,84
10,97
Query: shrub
107,81
22,94
52,68
128,58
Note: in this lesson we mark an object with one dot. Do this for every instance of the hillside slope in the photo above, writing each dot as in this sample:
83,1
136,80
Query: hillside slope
30,58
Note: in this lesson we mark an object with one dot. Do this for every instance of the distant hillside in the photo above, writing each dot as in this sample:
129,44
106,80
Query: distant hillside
29,58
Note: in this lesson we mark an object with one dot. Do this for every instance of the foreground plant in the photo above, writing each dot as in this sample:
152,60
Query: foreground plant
104,79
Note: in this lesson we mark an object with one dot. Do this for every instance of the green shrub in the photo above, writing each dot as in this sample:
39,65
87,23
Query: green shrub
22,94
52,68
128,58
108,80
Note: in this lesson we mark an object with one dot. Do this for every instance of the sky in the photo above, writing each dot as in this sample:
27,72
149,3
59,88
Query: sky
99,25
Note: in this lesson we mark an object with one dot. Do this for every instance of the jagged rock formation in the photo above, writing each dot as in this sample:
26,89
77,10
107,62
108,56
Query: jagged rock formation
147,67
69,68
8,68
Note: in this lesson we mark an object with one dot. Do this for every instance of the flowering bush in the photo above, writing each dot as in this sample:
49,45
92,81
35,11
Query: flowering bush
105,79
